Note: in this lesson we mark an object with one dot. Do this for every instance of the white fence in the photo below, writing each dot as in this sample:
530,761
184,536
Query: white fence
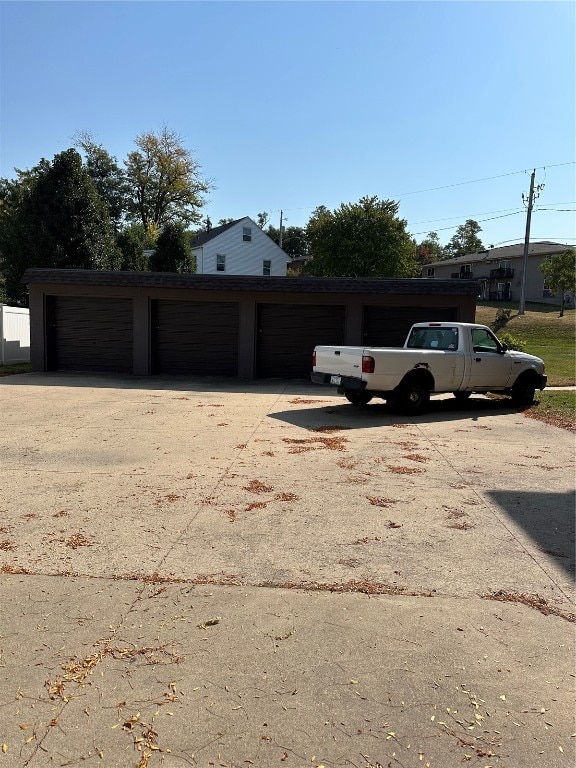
14,335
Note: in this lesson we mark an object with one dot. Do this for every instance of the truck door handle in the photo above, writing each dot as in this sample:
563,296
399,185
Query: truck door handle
478,359
337,352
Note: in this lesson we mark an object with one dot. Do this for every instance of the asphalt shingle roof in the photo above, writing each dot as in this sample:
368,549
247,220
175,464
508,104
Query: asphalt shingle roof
350,285
544,248
205,237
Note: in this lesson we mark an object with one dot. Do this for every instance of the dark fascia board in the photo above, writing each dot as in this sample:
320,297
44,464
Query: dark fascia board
352,285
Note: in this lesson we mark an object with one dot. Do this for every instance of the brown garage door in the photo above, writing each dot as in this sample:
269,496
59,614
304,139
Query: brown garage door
389,326
89,333
288,333
195,337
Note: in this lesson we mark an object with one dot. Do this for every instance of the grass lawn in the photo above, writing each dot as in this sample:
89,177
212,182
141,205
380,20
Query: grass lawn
557,408
9,370
546,335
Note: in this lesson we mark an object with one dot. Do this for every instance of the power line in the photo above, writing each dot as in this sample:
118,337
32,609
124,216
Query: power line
447,186
468,216
442,229
487,178
487,213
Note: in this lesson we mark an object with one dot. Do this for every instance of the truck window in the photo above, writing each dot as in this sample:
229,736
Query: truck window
434,338
484,341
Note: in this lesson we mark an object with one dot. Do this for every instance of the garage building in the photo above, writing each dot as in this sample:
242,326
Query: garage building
146,323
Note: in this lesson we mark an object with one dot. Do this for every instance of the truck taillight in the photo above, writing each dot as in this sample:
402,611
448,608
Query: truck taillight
368,364
314,359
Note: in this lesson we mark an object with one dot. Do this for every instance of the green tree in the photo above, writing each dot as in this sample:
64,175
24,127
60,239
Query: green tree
12,194
429,250
54,218
364,239
464,241
294,241
164,180
108,178
262,219
560,273
132,242
173,253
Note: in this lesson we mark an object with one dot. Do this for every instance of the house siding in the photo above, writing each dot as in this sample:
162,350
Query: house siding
242,258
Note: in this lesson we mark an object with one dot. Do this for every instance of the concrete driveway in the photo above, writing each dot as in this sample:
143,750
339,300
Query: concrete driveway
221,573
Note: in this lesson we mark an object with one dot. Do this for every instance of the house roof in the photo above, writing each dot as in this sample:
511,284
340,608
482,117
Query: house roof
350,285
205,237
544,248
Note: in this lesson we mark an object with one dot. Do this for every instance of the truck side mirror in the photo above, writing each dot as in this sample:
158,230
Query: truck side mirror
503,348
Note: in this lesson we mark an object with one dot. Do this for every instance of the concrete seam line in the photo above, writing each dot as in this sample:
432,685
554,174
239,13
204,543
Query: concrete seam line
494,513
220,480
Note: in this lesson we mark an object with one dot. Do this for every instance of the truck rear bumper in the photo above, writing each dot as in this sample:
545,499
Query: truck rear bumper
342,382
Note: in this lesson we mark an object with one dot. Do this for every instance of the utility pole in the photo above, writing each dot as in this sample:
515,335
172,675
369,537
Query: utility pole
531,197
280,243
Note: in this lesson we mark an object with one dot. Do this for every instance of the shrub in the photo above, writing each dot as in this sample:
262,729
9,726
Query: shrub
501,319
512,342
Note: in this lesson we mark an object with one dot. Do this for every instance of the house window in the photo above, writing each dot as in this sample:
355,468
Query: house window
247,234
220,262
266,266
505,264
547,292
465,269
430,272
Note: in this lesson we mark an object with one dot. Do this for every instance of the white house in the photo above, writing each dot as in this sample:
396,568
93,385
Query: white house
238,248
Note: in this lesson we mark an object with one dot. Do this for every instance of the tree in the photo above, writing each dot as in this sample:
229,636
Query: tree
11,196
173,252
429,250
164,180
132,242
108,178
54,217
364,239
560,273
294,241
262,219
465,240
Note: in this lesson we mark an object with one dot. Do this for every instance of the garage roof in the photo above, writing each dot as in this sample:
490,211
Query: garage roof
352,285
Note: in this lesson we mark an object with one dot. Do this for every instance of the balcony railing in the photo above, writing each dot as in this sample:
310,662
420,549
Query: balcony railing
501,272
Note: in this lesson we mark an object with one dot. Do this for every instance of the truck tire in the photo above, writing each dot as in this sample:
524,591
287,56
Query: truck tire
523,391
461,396
357,397
413,398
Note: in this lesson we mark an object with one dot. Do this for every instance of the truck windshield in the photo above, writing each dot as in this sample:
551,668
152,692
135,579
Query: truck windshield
433,338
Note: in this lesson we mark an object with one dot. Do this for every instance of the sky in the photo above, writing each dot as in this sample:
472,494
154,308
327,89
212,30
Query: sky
445,107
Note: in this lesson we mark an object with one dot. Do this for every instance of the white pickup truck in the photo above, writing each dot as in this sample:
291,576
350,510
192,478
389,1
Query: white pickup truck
437,357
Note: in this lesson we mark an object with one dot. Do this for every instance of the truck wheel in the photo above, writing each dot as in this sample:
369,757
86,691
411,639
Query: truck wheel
523,391
357,398
461,396
413,398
